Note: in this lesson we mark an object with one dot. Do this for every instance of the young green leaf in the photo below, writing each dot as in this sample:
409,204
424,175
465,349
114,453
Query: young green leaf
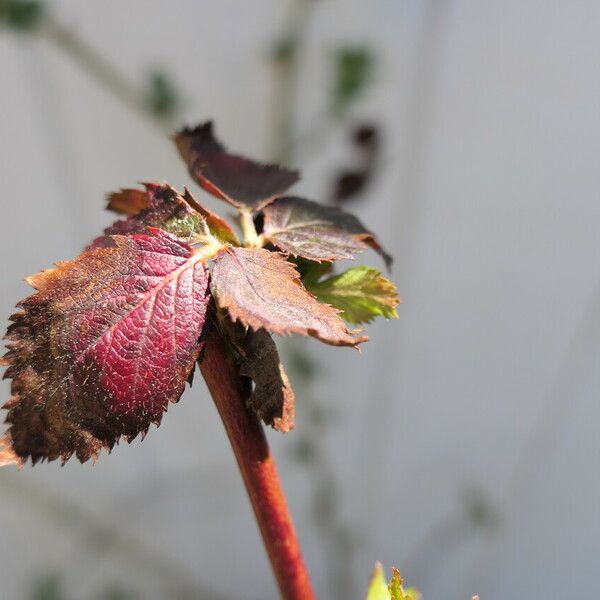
361,293
397,591
310,230
262,289
244,183
103,346
378,589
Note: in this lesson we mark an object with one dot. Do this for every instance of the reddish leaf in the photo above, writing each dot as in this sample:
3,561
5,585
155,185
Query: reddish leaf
237,180
218,226
272,398
304,228
262,289
162,207
102,347
128,201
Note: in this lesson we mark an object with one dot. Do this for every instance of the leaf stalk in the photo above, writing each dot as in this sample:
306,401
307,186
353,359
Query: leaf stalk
258,469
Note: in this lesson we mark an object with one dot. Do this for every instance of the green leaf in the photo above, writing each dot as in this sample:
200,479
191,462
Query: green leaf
162,97
361,293
21,15
378,589
398,592
353,70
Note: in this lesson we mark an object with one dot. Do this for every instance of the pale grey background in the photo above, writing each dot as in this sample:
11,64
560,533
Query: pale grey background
487,385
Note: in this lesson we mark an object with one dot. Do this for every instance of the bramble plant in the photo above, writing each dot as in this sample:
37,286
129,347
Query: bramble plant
110,338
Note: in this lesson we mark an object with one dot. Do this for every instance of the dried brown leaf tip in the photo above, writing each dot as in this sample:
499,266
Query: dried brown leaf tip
110,338
242,182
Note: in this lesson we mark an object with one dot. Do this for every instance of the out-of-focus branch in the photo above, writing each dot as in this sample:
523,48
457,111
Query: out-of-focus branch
157,102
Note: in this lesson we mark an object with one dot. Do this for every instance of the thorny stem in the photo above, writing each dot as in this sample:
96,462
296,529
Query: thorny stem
257,466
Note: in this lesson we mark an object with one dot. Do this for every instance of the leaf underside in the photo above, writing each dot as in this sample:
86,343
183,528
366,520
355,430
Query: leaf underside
272,398
244,183
262,289
316,232
102,347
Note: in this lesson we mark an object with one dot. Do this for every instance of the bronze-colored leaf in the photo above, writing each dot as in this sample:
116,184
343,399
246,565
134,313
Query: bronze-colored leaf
128,201
272,398
159,206
262,289
103,346
218,226
242,182
305,228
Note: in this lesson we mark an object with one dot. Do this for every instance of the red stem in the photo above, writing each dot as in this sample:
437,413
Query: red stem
258,469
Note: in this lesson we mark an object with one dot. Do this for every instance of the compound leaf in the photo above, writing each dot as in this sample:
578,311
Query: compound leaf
310,230
242,182
262,289
102,347
361,293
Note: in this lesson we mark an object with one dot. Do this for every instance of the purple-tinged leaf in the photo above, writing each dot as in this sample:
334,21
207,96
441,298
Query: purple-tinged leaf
103,346
242,182
160,206
316,232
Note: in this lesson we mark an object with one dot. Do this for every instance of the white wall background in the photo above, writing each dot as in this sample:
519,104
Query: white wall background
489,381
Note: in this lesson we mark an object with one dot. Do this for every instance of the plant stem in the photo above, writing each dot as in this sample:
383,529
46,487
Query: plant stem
248,229
258,470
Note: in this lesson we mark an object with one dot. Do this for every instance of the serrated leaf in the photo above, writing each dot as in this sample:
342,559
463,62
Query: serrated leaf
262,289
272,398
378,589
160,206
310,230
361,293
244,183
103,346
397,591
310,270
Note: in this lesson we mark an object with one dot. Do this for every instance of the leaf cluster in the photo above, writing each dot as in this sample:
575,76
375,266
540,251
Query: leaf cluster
109,339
